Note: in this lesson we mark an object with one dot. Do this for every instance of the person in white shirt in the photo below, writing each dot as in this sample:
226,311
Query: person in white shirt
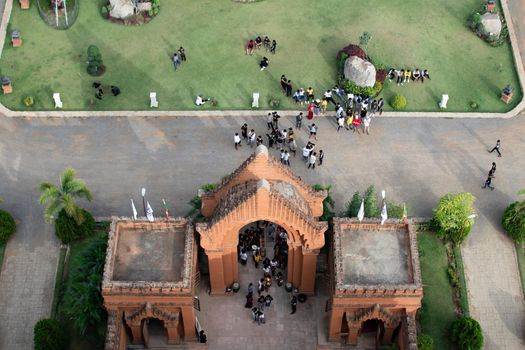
237,140
199,101
328,97
251,137
340,122
306,153
366,122
313,131
286,158
312,160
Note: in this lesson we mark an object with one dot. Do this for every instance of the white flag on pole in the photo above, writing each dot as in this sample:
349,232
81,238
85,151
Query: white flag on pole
384,214
134,210
361,213
149,212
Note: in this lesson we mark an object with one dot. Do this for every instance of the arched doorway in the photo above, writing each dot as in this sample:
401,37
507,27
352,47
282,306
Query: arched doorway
154,332
264,246
262,189
371,333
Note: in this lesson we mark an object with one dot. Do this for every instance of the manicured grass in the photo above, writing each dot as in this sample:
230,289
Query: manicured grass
438,306
521,264
93,339
405,34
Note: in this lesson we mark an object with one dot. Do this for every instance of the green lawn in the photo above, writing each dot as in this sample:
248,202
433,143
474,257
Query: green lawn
438,306
309,34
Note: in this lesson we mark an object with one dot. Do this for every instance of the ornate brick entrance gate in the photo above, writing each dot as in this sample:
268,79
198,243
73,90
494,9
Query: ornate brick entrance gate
262,189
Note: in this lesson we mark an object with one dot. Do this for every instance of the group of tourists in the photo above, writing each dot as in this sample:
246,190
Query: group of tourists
258,42
250,241
405,75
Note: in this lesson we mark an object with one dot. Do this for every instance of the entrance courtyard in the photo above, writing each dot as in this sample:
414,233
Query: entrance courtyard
403,34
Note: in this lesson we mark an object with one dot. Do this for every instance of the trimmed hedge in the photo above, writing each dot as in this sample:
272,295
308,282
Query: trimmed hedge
466,333
513,222
67,230
49,335
7,226
398,102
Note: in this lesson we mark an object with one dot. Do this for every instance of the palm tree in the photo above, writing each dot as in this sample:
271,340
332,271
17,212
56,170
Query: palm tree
63,197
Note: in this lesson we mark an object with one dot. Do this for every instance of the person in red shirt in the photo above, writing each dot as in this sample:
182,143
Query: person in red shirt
250,47
311,110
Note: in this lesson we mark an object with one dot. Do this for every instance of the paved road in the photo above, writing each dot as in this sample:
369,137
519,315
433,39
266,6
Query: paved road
416,161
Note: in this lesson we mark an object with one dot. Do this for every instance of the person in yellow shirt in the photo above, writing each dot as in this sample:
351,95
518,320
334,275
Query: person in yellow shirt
324,104
408,74
310,94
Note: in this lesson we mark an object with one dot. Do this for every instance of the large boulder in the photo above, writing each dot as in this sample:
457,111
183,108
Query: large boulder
360,71
491,24
121,8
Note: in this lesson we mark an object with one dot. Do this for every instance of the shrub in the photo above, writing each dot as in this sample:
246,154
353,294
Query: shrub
394,210
425,342
328,202
82,303
378,86
274,102
381,75
48,335
351,87
28,101
466,333
67,229
451,217
398,102
371,207
95,64
364,38
104,11
352,207
196,202
353,50
7,226
514,221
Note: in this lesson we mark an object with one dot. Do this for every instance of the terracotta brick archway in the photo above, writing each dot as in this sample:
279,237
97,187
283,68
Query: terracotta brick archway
262,190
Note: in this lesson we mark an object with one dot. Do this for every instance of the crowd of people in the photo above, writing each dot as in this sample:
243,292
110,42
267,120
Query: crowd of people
406,75
250,244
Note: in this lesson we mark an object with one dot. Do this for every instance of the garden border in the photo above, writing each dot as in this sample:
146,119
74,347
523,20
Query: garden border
518,64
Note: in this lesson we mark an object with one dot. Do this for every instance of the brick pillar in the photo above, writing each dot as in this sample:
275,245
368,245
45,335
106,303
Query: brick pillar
173,333
308,269
188,321
297,266
215,264
387,336
136,331
353,334
230,265
334,327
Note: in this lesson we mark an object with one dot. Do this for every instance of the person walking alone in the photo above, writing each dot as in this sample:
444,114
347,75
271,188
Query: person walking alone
321,157
496,148
293,303
492,171
299,120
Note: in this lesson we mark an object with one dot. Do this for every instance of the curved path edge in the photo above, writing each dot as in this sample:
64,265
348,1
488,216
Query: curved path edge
145,113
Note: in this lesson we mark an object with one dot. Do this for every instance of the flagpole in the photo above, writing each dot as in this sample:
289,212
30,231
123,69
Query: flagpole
144,200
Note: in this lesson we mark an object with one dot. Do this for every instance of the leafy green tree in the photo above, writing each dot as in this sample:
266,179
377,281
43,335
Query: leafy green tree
454,216
48,335
82,299
196,202
328,202
466,333
62,197
514,220
95,63
371,207
7,226
395,211
352,207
